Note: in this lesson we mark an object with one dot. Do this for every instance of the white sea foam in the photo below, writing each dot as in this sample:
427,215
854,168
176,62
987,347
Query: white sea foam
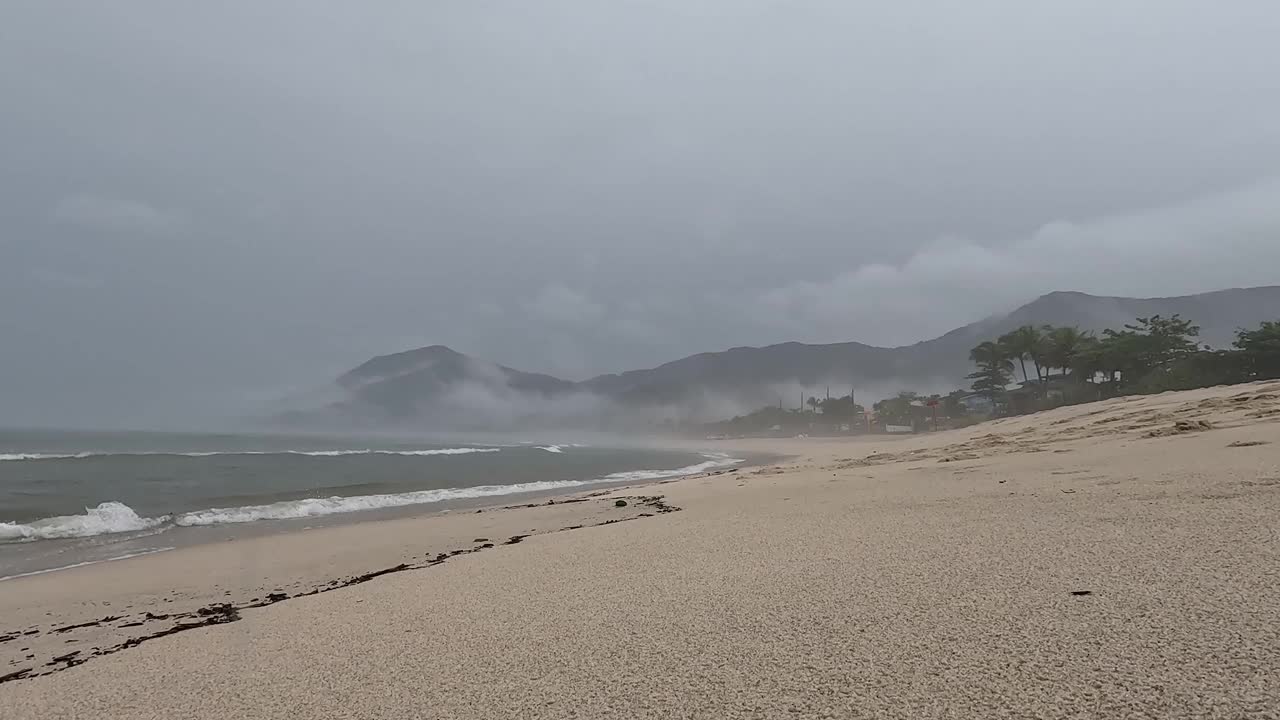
39,456
714,461
559,447
114,517
437,451
109,517
312,453
317,507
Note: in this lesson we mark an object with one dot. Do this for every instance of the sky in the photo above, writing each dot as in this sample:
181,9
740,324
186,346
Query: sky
207,206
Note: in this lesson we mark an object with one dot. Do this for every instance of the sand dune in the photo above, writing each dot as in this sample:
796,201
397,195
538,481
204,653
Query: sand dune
1118,559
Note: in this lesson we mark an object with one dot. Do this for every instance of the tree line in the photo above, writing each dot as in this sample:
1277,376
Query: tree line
1153,354
839,410
1053,366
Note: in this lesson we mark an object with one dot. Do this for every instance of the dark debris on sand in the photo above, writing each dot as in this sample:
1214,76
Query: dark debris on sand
227,612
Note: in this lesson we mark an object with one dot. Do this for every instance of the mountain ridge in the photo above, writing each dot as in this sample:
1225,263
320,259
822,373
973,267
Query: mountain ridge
438,386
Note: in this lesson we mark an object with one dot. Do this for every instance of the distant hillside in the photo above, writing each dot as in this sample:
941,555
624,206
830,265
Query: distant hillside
752,373
427,371
439,387
434,386
1218,313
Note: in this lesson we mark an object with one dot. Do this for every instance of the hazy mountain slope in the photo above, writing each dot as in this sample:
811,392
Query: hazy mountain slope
438,365
438,386
1218,313
944,359
739,369
437,383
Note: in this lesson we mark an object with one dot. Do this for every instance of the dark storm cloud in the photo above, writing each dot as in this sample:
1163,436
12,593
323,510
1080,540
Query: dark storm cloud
207,205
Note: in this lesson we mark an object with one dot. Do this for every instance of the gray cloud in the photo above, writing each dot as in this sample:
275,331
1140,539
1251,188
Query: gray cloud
1225,240
581,187
558,305
90,212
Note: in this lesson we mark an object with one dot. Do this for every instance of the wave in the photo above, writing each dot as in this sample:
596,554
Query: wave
39,456
413,453
714,460
109,517
559,448
309,453
319,507
115,517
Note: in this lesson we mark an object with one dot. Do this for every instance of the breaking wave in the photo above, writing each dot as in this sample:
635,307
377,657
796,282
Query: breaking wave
714,460
310,453
318,507
39,456
115,517
109,517
559,448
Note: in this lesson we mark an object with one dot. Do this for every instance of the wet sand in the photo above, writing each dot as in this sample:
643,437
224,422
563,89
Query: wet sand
1117,559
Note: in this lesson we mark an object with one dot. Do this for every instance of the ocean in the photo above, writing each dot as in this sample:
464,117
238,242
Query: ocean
95,489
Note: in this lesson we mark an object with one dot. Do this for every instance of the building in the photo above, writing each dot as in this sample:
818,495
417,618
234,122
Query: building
977,404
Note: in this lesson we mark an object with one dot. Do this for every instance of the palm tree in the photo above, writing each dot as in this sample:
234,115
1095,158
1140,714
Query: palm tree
1022,343
990,354
1062,346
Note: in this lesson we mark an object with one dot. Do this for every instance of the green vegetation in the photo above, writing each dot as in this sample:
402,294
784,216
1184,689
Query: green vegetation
829,413
1063,346
903,409
1025,342
1058,366
994,369
1154,354
1261,350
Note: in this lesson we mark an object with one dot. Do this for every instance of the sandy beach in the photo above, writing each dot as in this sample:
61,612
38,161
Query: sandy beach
1117,559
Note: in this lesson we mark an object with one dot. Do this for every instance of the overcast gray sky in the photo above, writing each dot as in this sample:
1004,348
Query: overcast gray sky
205,205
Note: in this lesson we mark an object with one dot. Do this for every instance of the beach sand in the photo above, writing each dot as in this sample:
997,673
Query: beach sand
1116,559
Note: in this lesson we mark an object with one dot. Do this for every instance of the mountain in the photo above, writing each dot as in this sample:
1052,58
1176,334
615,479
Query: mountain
433,386
438,387
757,374
1219,314
426,372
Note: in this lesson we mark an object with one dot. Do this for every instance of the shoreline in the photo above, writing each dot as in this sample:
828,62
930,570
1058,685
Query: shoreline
1113,557
153,620
19,558
178,608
